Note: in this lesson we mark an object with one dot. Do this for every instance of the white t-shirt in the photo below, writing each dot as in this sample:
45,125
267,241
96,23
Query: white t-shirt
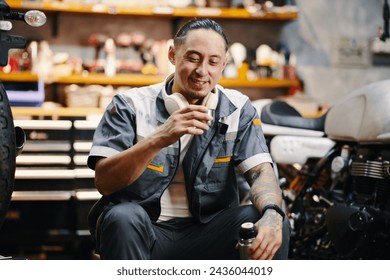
174,202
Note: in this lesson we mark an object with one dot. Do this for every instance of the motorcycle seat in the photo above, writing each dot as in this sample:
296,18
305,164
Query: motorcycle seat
280,113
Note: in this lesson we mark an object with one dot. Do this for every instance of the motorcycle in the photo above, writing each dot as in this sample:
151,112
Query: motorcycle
12,138
335,174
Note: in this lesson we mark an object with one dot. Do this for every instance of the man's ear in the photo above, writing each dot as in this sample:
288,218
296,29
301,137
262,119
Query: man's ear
171,54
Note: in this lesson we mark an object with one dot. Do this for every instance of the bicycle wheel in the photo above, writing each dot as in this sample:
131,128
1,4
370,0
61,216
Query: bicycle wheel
7,153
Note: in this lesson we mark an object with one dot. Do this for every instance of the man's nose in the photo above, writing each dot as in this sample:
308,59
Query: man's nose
201,69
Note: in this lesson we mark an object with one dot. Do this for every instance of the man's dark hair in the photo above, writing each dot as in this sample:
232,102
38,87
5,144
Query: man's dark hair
203,23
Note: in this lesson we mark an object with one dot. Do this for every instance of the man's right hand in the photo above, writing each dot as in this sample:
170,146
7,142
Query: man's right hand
192,119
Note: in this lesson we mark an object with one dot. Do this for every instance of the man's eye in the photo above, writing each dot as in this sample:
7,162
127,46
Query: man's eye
193,59
214,62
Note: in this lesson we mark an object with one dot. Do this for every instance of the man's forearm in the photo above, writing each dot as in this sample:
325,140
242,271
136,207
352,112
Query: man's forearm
265,189
114,173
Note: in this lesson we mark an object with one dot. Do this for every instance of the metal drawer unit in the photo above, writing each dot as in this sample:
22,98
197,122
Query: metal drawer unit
54,190
85,192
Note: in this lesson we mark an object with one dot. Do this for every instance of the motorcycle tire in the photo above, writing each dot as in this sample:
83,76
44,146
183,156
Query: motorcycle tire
7,154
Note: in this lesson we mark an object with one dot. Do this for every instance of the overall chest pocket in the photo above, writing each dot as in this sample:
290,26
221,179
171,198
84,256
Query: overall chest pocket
219,172
154,178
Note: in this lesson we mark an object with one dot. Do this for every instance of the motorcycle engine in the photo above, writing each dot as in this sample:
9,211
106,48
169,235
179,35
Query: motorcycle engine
360,227
370,171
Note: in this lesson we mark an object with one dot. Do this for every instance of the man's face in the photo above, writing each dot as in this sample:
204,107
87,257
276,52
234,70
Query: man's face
199,63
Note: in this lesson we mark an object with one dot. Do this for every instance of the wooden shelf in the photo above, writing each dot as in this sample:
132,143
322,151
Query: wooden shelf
117,80
18,77
141,80
229,13
52,112
259,83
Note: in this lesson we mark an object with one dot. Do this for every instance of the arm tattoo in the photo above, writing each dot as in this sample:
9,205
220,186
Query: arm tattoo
264,186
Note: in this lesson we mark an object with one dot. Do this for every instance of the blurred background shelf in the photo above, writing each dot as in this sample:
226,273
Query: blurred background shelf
123,9
139,80
55,112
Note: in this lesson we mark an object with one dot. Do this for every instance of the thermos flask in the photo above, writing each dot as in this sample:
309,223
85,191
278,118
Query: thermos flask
247,234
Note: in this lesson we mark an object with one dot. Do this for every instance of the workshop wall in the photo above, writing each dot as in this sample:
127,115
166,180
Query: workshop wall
315,38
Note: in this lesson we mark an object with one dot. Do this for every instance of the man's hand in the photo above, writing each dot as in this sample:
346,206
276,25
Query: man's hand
190,120
269,236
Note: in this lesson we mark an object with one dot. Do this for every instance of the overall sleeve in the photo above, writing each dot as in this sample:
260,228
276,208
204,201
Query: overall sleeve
115,132
250,147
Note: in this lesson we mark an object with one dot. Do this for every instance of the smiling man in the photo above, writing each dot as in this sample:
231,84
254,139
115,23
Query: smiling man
165,157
